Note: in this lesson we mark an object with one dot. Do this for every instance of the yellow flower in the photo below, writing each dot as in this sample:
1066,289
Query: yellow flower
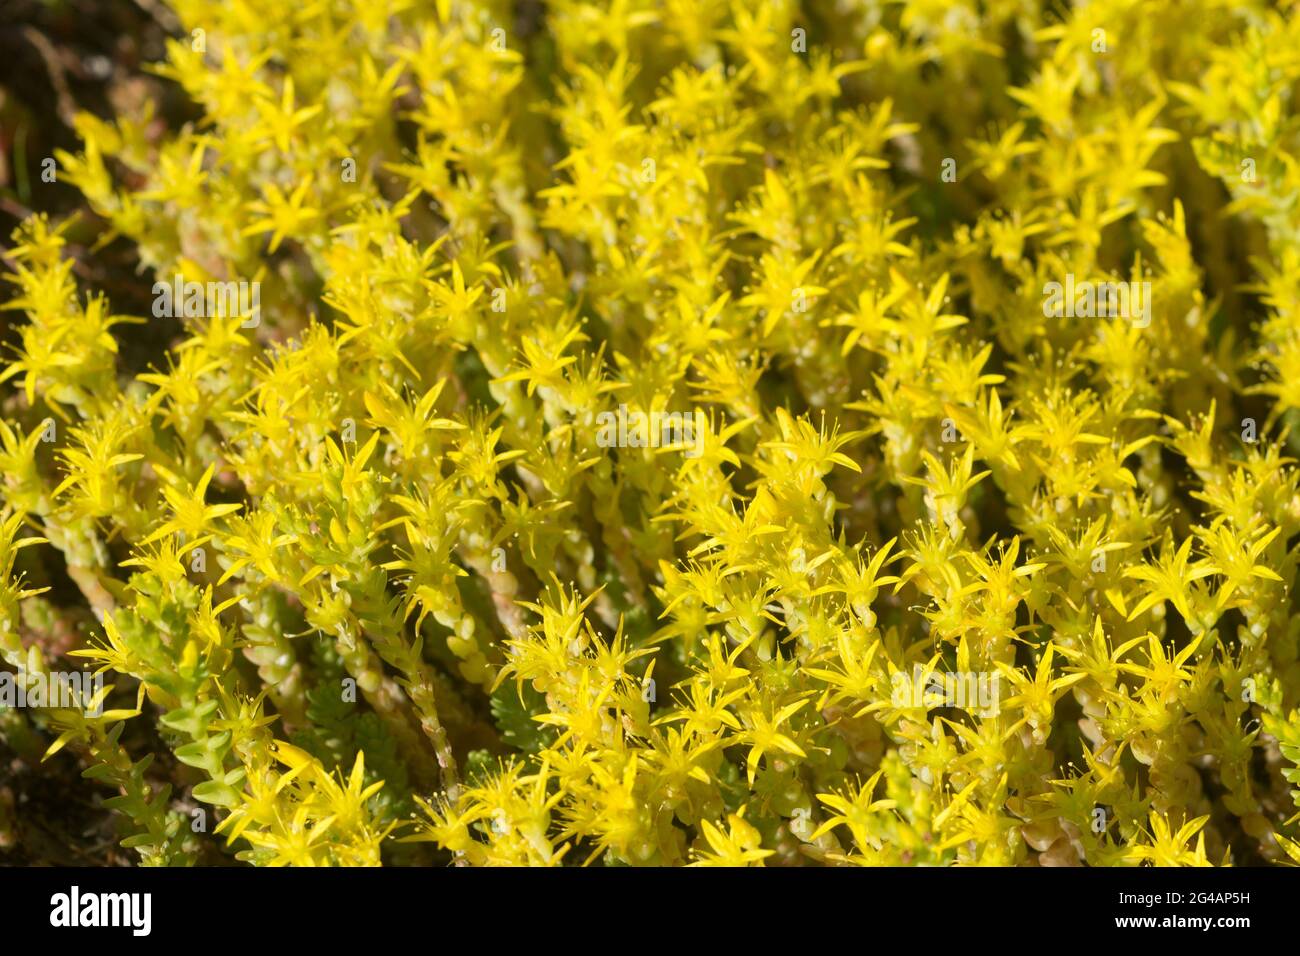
740,845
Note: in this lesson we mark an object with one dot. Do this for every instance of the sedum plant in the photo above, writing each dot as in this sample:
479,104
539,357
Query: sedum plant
651,441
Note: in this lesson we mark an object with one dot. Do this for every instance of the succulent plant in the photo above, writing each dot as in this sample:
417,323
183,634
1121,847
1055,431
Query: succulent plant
675,433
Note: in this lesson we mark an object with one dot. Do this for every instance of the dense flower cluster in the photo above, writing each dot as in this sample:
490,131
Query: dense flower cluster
920,569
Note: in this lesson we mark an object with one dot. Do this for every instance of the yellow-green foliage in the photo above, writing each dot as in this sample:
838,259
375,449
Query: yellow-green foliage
824,233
